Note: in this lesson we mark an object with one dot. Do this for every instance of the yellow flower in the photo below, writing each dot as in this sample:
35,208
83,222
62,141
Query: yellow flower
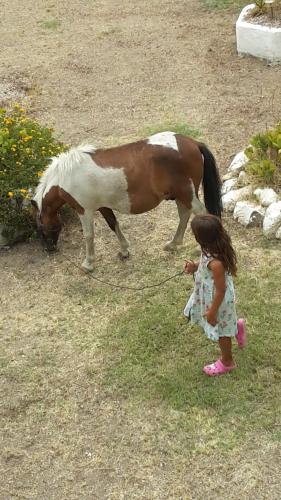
23,191
27,138
39,174
7,121
18,108
10,194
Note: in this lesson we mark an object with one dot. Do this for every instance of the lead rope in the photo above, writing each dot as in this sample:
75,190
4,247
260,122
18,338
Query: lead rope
123,286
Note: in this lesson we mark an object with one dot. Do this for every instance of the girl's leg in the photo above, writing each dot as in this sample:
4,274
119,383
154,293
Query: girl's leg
226,363
226,351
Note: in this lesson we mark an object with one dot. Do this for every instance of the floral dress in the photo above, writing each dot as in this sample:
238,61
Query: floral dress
202,298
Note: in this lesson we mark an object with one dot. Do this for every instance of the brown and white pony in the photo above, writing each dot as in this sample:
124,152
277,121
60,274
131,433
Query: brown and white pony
132,179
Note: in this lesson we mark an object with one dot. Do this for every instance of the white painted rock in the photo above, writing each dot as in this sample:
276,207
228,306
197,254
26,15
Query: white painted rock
278,233
266,196
228,185
272,219
230,199
238,162
227,176
247,214
243,178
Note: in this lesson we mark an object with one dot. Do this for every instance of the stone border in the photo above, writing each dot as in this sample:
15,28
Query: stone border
257,40
236,191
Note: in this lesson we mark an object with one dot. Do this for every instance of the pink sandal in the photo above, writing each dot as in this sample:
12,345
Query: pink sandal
217,368
241,333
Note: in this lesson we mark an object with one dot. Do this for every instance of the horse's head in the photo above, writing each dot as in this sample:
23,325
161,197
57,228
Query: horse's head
48,227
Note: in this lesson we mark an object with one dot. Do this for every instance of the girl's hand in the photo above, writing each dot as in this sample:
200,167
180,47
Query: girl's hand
190,267
210,317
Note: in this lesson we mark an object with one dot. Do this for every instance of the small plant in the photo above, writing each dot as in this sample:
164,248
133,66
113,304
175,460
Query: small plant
264,170
264,155
260,4
25,149
53,24
271,9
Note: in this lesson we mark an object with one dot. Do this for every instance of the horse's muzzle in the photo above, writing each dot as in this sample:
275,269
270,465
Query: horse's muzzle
49,242
51,248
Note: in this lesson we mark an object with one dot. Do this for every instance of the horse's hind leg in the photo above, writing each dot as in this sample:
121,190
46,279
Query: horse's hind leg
184,214
87,221
111,220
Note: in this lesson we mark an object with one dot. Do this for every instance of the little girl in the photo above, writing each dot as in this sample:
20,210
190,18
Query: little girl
212,303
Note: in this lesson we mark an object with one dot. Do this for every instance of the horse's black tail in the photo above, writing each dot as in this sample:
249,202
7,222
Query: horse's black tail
211,182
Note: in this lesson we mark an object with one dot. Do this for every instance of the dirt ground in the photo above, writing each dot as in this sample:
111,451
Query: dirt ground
102,72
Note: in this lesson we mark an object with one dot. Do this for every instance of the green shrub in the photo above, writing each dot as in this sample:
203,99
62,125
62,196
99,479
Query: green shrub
25,149
264,155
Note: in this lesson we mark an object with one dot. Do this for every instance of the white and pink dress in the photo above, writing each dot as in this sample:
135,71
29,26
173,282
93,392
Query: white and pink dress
202,298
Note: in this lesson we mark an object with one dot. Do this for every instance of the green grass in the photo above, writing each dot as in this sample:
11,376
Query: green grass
178,128
52,24
156,355
137,348
224,4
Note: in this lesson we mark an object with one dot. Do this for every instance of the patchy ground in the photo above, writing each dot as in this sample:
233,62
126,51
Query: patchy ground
102,71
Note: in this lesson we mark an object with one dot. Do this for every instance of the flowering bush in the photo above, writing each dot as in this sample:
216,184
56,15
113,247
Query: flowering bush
25,149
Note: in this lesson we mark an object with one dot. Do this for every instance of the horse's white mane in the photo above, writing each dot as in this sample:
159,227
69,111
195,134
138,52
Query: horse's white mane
59,167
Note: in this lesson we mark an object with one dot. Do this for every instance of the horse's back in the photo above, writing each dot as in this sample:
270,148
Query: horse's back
155,168
174,150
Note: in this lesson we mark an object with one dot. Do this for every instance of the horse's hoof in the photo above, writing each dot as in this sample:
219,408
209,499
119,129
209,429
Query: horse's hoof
86,267
123,256
170,247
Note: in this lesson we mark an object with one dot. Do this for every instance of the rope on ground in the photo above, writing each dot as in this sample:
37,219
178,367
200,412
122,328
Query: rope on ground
123,286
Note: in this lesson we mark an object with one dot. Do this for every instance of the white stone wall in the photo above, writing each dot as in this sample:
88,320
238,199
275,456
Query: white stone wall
238,195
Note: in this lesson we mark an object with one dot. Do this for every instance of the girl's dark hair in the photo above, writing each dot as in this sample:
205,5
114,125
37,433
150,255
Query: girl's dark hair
214,240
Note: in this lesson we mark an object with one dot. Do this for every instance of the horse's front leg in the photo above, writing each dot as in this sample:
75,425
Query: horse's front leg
184,214
87,221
